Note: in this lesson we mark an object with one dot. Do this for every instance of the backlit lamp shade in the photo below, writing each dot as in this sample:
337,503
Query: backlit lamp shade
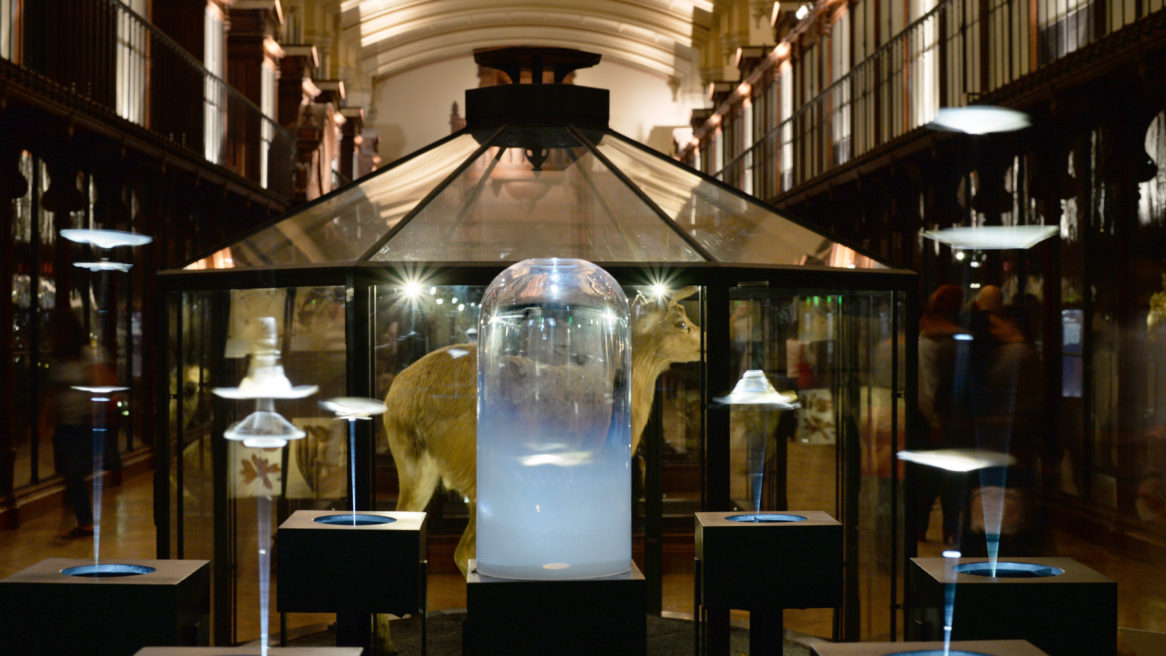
958,460
105,238
986,238
100,389
979,119
755,389
265,378
100,393
265,381
354,407
264,429
104,265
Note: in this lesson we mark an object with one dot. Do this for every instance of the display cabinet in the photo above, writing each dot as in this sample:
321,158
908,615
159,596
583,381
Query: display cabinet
368,280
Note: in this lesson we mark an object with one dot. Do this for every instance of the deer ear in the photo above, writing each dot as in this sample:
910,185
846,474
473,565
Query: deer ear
682,294
638,306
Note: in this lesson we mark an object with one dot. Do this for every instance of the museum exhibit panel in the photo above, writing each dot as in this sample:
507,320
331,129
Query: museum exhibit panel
371,283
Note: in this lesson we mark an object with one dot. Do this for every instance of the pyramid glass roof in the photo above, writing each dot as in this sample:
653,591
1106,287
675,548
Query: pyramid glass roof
499,196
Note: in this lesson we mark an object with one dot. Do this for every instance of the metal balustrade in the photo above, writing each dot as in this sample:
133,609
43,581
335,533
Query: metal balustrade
104,54
956,52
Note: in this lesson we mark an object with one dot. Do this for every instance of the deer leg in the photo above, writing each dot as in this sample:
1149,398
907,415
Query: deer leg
467,547
417,482
417,473
383,642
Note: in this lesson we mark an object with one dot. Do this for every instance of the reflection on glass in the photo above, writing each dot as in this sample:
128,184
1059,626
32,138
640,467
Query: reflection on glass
980,119
510,205
342,226
958,460
992,237
732,228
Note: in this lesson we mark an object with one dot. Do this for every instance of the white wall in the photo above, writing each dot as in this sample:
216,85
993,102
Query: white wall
642,105
411,109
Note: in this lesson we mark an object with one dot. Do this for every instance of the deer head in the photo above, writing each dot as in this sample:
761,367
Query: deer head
662,331
662,334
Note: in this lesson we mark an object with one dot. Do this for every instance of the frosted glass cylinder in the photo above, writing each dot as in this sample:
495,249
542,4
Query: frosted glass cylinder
554,423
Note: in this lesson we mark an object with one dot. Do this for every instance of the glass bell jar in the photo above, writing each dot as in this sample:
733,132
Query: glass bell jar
554,423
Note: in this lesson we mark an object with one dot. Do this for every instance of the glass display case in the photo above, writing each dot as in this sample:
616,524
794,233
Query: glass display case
368,280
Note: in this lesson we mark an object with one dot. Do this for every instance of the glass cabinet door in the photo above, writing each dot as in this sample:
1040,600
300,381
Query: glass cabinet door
216,482
840,359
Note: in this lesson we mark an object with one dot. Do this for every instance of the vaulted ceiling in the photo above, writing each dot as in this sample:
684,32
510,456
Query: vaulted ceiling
657,36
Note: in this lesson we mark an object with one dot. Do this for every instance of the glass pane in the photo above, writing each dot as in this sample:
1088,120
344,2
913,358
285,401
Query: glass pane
216,330
785,459
834,355
1138,461
515,203
45,293
192,496
679,432
871,357
23,311
344,225
733,229
410,322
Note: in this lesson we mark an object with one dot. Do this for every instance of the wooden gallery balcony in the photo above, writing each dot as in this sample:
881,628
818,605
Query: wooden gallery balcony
99,66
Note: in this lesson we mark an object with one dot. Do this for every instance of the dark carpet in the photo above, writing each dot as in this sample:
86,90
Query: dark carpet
666,637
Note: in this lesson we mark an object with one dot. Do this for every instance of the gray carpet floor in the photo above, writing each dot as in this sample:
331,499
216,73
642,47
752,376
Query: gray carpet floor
666,637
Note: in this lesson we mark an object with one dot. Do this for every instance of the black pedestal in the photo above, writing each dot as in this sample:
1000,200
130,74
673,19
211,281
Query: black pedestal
958,648
338,568
249,651
352,570
572,617
764,567
43,611
1068,614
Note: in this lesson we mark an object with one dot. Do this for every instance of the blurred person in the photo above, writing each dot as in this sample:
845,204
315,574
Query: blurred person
942,403
71,414
1005,404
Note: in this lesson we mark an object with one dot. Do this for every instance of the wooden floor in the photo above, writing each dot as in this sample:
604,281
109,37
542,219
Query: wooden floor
128,532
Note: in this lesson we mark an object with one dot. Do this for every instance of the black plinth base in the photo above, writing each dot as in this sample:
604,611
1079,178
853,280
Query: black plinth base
43,611
960,648
250,651
760,566
340,568
591,616
1073,613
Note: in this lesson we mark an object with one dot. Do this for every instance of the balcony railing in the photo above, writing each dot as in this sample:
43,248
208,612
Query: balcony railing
950,56
105,54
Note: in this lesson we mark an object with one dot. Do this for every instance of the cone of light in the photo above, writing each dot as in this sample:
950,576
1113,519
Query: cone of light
953,558
353,409
754,390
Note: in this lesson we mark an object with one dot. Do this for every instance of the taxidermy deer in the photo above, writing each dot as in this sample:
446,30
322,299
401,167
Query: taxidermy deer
432,423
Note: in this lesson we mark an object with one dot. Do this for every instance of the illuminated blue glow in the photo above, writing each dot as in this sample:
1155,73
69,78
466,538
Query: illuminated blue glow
1009,570
765,517
358,519
107,570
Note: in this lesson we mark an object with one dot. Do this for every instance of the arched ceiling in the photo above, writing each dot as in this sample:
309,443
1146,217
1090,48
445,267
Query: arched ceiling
656,36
